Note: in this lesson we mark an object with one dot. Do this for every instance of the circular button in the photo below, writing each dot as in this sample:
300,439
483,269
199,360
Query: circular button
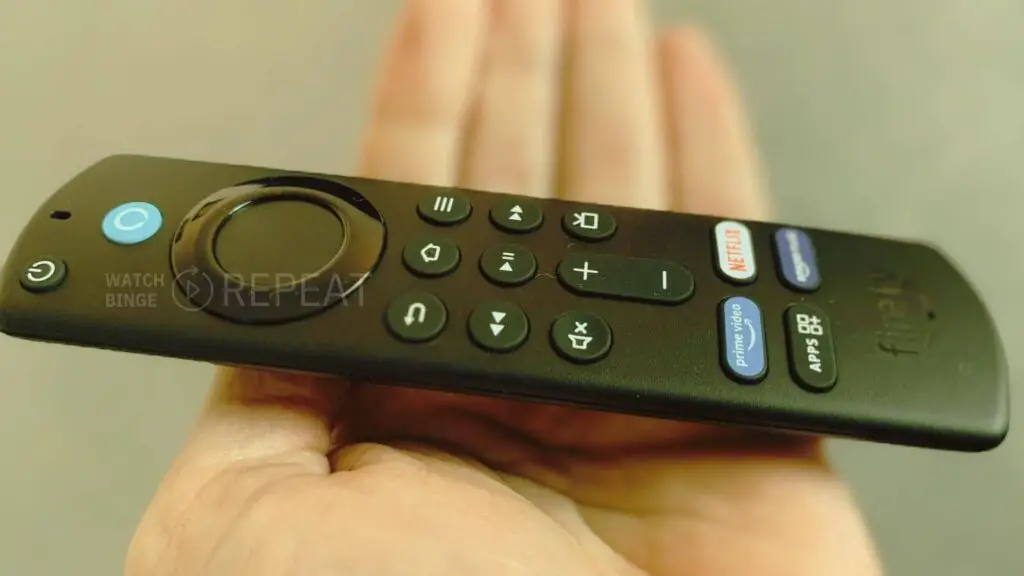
508,265
581,337
589,225
498,326
44,275
416,317
249,246
444,209
132,223
515,215
275,249
431,257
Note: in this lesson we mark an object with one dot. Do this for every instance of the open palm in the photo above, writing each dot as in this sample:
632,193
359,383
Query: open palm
299,475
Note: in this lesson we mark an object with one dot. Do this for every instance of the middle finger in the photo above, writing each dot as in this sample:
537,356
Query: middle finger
614,145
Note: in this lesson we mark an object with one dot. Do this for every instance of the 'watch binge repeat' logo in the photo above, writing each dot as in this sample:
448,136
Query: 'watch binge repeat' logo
196,291
192,290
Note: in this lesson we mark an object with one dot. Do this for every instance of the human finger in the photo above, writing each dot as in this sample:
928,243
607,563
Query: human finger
424,92
509,140
613,151
713,160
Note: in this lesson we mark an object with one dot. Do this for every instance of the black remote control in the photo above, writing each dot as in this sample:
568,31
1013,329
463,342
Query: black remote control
651,313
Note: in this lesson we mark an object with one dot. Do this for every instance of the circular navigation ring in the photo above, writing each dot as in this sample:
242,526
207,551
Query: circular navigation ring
276,250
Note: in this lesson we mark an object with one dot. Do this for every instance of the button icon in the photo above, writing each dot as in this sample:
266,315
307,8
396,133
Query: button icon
798,265
444,204
585,270
416,317
444,209
516,215
585,220
735,250
431,257
581,337
44,275
812,354
132,223
498,326
41,271
430,253
637,279
589,225
508,265
417,312
742,337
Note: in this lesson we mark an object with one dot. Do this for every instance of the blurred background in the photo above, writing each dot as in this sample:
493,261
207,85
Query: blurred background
899,118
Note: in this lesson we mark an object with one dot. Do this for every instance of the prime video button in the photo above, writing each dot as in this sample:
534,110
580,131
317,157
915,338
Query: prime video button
743,347
132,223
798,263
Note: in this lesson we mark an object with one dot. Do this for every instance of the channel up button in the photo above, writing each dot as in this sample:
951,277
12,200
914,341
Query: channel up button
743,349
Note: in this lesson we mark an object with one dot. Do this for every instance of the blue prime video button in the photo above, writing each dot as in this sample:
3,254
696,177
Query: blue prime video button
743,349
798,264
132,223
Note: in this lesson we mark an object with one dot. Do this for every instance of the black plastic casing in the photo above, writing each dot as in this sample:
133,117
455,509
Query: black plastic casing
919,359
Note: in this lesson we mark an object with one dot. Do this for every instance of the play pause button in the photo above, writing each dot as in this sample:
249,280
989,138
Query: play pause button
498,326
508,265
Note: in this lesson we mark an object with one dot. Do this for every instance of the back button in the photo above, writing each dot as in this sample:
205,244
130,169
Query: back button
416,317
498,326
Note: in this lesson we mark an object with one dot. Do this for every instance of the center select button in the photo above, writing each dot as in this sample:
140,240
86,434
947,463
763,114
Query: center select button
277,249
278,242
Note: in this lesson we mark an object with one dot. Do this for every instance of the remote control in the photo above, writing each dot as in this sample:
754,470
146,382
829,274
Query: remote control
669,315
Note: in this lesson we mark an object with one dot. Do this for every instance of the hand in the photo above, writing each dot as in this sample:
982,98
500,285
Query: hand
298,475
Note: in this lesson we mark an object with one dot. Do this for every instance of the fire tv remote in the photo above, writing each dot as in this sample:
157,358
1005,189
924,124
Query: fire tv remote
651,313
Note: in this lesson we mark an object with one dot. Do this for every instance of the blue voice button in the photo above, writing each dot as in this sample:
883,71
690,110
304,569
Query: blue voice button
743,347
798,264
132,223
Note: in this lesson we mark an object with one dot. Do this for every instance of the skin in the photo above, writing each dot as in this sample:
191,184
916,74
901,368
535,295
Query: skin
290,475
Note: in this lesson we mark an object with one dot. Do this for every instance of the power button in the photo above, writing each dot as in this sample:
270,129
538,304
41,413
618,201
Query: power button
44,275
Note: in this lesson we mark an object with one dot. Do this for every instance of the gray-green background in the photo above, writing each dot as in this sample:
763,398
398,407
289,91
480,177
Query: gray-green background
897,117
